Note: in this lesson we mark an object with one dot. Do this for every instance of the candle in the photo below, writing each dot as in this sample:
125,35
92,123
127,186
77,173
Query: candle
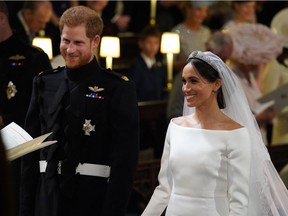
170,67
169,70
153,11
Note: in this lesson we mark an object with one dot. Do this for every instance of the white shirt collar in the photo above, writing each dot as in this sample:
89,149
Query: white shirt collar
149,62
21,18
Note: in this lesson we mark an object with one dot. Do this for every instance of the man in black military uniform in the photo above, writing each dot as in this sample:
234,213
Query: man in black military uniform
93,115
19,63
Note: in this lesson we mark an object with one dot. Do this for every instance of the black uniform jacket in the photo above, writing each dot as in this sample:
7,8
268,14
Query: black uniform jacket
18,27
63,100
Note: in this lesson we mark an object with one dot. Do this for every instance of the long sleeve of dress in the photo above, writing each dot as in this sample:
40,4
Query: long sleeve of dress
160,197
239,157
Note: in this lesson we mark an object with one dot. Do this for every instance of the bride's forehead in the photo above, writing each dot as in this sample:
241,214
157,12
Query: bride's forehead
190,70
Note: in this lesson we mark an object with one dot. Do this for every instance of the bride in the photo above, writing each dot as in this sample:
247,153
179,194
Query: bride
214,160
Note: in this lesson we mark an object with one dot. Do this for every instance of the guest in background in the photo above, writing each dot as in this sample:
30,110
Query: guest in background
32,18
98,6
193,34
220,12
169,14
110,28
150,80
244,12
147,71
118,13
275,76
19,63
250,50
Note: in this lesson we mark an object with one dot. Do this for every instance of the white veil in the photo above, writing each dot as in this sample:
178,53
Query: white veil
268,194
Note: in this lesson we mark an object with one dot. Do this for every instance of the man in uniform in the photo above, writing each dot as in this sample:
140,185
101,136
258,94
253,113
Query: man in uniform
93,115
19,63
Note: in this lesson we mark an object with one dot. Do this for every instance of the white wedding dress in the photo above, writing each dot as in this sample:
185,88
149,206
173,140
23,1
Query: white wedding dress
203,173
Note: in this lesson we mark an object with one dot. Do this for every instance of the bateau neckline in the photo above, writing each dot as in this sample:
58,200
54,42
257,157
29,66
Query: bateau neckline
208,130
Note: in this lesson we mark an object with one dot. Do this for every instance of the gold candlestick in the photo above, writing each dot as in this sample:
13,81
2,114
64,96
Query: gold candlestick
170,44
153,5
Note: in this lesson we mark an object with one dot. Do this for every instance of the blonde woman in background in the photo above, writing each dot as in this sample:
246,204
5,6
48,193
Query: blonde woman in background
193,34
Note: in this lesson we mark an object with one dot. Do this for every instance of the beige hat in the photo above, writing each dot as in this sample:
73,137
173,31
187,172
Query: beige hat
255,44
279,24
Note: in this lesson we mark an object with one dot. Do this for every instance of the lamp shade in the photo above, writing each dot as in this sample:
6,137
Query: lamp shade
110,47
170,43
45,44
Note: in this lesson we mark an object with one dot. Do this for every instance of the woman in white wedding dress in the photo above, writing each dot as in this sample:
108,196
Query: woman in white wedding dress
214,162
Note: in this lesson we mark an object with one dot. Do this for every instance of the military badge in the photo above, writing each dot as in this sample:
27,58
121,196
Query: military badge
11,90
17,57
87,127
125,78
96,89
94,93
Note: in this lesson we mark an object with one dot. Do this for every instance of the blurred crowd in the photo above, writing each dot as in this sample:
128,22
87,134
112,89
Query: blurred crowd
133,16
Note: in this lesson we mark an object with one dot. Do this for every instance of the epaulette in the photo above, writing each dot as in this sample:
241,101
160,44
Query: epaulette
119,75
55,70
37,48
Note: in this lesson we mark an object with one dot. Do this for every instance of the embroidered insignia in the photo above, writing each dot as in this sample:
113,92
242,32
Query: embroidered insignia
125,78
94,95
87,127
11,90
17,57
96,89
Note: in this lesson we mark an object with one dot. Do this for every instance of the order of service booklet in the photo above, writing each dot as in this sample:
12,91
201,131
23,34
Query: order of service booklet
18,142
277,100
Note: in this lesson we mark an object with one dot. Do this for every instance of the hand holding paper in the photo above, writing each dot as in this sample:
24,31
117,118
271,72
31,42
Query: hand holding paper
18,142
278,99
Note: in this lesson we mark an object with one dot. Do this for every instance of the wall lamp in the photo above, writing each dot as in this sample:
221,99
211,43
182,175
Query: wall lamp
110,48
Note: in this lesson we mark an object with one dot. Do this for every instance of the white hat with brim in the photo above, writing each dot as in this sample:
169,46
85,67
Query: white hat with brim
255,44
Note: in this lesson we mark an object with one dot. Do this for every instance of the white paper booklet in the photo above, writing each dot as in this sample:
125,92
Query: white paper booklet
263,106
18,142
277,98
